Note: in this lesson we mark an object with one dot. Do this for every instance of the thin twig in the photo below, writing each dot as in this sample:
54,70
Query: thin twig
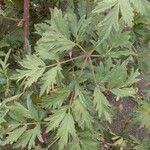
92,68
53,143
135,50
10,18
13,98
96,56
34,123
81,48
108,51
69,60
83,66
65,61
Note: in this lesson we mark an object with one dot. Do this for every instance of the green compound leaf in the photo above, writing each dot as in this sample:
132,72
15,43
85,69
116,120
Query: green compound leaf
101,104
49,79
66,129
32,69
124,92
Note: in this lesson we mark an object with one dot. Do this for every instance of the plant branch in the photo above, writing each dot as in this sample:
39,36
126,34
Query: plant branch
96,56
53,143
108,51
65,61
83,66
71,59
92,68
13,98
10,18
135,50
26,23
81,47
32,123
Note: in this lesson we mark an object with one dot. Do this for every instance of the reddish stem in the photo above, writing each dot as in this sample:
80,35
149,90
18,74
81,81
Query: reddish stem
26,20
88,55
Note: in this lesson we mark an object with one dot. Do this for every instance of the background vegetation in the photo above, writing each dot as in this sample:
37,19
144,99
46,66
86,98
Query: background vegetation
81,81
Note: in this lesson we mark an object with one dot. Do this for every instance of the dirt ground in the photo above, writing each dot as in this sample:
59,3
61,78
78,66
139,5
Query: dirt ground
124,115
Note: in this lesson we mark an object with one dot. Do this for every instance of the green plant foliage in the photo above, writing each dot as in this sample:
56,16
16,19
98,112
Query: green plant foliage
33,69
66,127
85,56
126,7
142,114
55,100
49,78
20,131
29,137
54,33
141,144
101,104
81,114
